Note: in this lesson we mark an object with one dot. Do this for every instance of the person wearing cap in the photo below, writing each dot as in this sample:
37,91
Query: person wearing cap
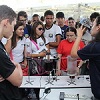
61,22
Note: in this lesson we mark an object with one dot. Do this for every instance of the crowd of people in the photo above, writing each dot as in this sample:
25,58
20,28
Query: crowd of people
41,37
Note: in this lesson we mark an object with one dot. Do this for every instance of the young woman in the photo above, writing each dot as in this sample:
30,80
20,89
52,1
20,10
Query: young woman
64,50
39,44
16,45
16,49
91,52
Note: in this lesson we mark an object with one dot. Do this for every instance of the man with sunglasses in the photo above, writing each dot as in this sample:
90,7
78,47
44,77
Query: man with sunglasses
71,22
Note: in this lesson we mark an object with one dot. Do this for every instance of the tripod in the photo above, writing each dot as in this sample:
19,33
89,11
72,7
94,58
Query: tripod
71,76
29,81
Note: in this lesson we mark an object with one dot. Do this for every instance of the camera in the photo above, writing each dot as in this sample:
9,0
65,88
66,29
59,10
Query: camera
78,25
85,22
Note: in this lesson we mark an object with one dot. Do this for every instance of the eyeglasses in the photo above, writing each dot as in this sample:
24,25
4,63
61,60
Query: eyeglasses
71,22
22,20
40,29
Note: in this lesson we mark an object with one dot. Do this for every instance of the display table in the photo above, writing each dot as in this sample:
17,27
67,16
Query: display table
82,87
70,94
40,82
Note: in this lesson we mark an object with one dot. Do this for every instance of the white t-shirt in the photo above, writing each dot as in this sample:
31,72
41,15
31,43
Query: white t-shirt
51,35
17,52
4,40
41,45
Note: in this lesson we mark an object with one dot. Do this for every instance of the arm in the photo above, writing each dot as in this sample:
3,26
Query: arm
58,65
16,77
8,70
55,44
75,47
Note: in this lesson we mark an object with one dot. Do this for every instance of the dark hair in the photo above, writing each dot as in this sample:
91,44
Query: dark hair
7,13
33,31
42,18
29,22
13,39
22,13
48,12
35,15
94,15
97,37
60,15
70,18
72,29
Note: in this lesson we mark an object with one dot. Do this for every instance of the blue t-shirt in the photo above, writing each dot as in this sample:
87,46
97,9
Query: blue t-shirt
92,52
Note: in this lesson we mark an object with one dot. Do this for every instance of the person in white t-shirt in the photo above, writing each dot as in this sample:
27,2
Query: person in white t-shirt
52,32
39,45
16,45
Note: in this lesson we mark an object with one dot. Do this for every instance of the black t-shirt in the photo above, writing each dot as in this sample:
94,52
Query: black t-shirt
92,52
63,36
7,90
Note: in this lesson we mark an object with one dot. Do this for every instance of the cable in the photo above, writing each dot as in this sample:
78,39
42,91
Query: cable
42,96
45,96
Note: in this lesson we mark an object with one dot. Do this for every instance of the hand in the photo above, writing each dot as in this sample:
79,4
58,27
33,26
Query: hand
1,78
42,54
28,54
77,71
80,31
58,72
23,66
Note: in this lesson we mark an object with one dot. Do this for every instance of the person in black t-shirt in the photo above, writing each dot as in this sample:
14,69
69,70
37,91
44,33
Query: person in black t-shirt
91,52
61,22
10,72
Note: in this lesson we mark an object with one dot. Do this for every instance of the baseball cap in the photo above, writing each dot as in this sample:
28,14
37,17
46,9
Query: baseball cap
86,22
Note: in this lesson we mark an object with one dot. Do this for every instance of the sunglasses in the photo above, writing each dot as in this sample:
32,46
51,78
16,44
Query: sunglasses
40,29
71,22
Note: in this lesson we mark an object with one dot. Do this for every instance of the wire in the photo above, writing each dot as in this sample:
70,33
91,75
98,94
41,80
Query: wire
42,96
45,96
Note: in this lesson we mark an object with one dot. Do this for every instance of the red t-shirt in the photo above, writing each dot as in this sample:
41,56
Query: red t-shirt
64,48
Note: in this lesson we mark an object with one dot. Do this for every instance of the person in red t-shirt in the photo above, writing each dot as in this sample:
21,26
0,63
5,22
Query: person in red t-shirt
64,50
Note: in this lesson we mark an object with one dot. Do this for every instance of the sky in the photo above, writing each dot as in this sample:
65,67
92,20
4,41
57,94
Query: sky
16,4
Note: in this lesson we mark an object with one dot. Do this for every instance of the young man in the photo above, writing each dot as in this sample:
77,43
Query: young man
52,32
61,22
71,22
10,72
35,18
93,16
22,16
